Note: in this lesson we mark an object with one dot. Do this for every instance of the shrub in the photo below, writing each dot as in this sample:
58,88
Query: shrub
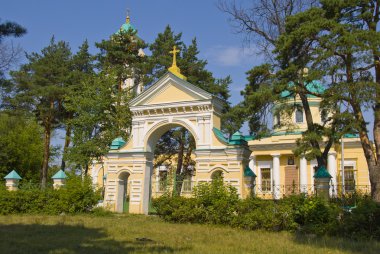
254,213
217,201
212,203
76,196
363,221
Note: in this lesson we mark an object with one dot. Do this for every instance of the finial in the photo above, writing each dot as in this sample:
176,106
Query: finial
128,19
174,68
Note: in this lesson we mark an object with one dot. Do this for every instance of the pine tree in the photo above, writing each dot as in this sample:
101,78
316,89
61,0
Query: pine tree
179,143
340,42
81,68
39,86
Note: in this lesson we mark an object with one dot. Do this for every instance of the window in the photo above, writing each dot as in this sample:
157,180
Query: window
299,116
277,119
218,174
186,186
291,160
349,178
265,179
163,180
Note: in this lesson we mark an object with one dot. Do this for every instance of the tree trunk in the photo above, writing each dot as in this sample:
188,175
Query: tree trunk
179,178
47,136
310,127
373,167
45,163
66,145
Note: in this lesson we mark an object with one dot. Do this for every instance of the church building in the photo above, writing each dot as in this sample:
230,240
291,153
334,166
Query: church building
263,167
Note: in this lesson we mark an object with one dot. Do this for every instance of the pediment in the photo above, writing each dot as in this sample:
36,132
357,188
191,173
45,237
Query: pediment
170,89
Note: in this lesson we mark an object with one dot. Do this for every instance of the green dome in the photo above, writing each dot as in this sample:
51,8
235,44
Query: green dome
117,143
126,26
314,87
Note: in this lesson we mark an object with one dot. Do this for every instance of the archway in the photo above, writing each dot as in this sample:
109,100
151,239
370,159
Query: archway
172,146
171,103
123,192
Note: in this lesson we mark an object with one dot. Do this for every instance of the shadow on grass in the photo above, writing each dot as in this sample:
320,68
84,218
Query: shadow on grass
343,244
36,238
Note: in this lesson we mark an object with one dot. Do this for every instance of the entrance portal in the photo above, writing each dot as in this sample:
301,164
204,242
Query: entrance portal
123,193
171,103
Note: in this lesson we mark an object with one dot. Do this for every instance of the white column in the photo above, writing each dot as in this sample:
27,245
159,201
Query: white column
207,130
331,167
303,174
276,176
252,166
252,163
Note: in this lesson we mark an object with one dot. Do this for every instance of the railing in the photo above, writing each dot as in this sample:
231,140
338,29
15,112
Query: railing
184,187
263,191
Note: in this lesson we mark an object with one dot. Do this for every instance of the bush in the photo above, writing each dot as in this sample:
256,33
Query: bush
255,213
217,201
362,222
315,215
212,203
76,196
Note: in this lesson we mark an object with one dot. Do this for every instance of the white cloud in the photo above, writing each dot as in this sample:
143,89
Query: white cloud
229,56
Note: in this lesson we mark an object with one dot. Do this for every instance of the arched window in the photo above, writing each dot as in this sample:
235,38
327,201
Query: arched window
299,116
218,174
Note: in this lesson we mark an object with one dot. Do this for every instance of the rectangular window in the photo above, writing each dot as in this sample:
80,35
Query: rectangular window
163,181
265,179
186,186
299,116
349,178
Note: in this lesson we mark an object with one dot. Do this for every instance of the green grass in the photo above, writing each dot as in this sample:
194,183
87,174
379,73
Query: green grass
142,234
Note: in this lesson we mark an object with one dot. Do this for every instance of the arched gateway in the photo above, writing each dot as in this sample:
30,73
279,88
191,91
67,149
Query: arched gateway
170,102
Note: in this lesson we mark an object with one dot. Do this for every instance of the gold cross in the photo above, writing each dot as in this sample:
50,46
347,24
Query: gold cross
174,53
174,68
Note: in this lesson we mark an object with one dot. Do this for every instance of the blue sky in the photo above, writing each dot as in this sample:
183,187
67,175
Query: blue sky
76,20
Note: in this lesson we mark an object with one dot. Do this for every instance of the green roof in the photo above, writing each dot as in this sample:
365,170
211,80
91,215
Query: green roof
13,175
59,175
322,173
220,135
236,139
117,143
248,172
315,87
351,135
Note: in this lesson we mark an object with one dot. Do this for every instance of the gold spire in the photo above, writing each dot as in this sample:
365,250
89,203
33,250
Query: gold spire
128,20
174,68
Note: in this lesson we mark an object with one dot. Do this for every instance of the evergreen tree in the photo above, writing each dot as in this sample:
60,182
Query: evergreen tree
100,102
122,54
340,42
39,86
178,143
8,53
265,22
81,68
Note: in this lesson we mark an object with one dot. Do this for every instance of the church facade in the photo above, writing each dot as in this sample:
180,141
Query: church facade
263,167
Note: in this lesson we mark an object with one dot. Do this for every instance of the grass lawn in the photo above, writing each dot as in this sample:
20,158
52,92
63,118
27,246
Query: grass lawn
142,234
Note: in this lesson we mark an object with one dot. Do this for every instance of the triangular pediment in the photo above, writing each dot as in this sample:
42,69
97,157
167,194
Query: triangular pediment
170,89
